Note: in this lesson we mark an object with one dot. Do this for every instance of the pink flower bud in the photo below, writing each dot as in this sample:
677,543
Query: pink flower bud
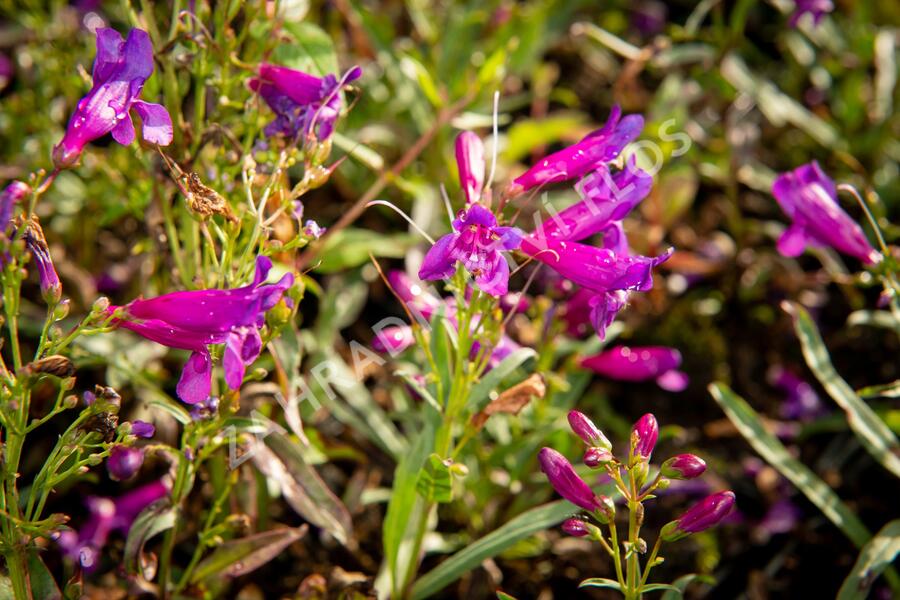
587,431
683,466
646,432
595,457
470,161
575,527
565,480
708,512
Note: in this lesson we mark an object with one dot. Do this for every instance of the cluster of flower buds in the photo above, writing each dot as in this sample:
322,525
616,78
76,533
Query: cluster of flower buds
630,477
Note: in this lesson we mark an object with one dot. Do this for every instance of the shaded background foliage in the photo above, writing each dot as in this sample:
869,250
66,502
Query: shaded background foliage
754,96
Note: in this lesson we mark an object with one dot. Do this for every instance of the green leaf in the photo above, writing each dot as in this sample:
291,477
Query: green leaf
523,526
399,519
239,557
350,248
312,50
504,596
302,487
601,582
681,584
153,520
749,424
480,393
883,390
43,585
655,587
875,436
526,135
873,559
435,483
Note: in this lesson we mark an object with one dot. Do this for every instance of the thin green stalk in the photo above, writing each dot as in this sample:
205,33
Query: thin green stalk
617,557
650,561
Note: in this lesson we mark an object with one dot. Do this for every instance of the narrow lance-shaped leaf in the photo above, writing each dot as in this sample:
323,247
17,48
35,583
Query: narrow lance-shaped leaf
280,459
748,423
153,520
874,558
876,437
241,556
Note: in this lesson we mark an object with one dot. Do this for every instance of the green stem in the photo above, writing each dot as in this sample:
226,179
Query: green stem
617,557
650,561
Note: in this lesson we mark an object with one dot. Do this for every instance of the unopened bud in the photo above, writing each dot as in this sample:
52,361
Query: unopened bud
459,469
683,466
61,310
708,512
100,306
597,457
587,431
644,434
575,527
70,401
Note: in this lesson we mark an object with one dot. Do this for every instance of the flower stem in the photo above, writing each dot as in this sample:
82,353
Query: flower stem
651,560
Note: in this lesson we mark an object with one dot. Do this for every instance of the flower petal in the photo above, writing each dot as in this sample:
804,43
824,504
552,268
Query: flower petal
196,378
156,124
438,264
123,132
109,54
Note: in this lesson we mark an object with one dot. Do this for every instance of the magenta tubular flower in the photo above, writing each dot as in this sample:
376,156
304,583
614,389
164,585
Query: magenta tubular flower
124,462
597,148
606,199
470,162
598,269
647,432
565,480
303,103
192,320
9,197
51,289
108,515
817,8
477,242
640,363
394,340
809,198
705,514
120,70
683,466
587,431
142,429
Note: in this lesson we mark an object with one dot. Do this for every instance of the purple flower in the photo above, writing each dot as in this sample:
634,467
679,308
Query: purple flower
566,482
12,195
394,340
809,198
597,148
801,401
683,466
303,103
312,230
205,409
124,462
700,517
646,432
470,162
781,517
142,429
605,199
817,8
192,320
51,289
640,363
575,527
587,431
477,242
649,17
108,515
120,70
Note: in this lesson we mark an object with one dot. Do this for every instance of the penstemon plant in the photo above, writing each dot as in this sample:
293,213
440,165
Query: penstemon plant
633,487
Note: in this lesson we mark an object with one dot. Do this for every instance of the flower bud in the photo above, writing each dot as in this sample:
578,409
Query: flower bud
683,466
708,512
644,434
61,311
587,431
124,462
9,197
51,289
470,161
597,457
100,307
575,527
70,401
565,480
142,429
